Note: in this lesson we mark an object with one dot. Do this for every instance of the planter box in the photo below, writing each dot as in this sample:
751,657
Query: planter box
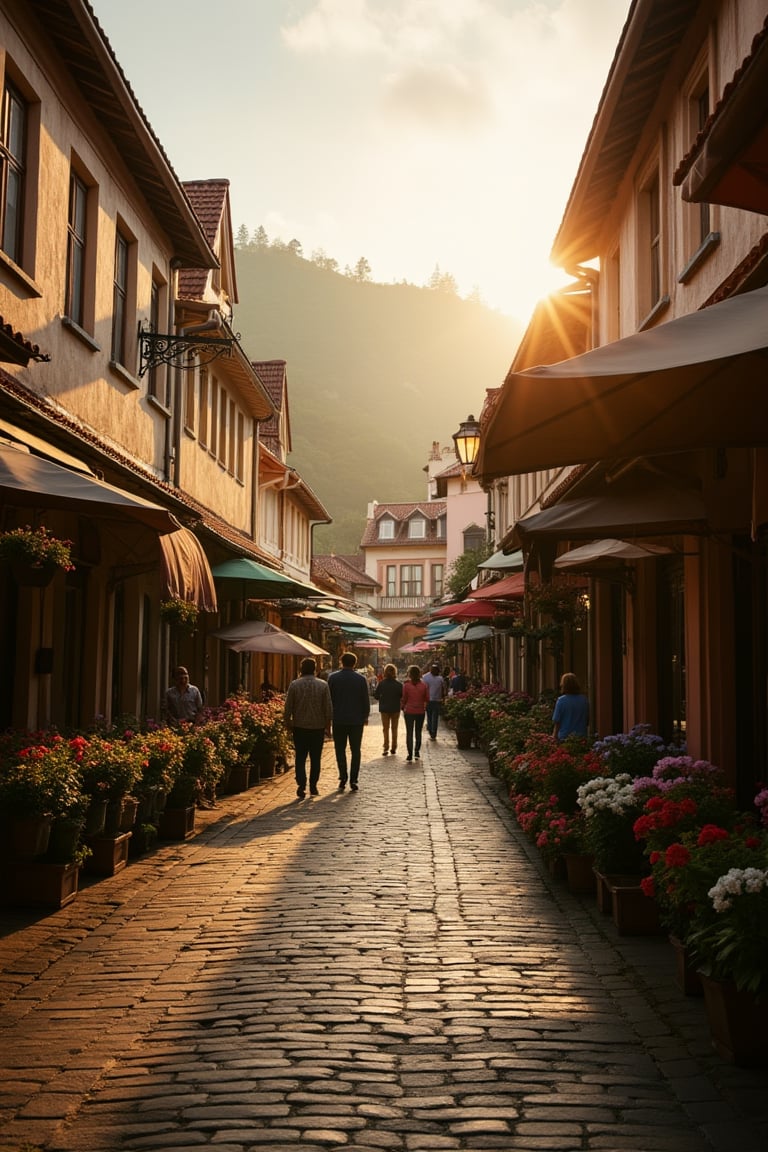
580,872
239,779
603,892
738,1024
177,823
36,883
465,737
634,913
110,854
687,978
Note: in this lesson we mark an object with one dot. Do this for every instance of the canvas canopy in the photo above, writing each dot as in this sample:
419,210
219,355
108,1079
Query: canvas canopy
695,382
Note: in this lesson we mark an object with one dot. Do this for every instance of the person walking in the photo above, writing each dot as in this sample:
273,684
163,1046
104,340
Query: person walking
415,700
389,693
571,714
351,700
436,685
183,701
308,713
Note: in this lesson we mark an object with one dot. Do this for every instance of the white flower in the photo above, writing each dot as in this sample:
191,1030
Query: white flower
737,882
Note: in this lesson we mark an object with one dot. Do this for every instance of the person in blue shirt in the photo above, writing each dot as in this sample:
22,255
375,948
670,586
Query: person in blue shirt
351,707
571,714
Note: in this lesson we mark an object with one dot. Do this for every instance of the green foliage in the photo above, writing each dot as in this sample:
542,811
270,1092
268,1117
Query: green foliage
405,349
36,547
182,614
462,572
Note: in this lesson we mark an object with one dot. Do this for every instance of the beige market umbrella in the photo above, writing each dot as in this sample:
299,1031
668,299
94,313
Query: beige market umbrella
275,640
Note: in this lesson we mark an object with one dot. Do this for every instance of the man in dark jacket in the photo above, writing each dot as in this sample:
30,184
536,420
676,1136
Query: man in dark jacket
351,708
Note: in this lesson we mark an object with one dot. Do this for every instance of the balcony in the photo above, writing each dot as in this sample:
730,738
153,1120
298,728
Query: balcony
403,603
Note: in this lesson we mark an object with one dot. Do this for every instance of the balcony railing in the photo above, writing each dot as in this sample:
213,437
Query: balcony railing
402,603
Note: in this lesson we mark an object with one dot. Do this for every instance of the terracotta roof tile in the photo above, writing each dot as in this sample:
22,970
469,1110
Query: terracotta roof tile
208,199
14,348
272,375
432,510
343,572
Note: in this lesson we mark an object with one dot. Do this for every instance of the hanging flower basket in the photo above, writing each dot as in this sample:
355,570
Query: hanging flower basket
34,555
181,614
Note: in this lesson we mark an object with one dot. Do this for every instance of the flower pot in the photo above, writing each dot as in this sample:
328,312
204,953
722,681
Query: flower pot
33,575
239,778
29,837
738,1023
64,840
264,763
580,872
687,978
603,892
634,913
464,737
42,884
143,839
109,854
177,823
95,815
120,815
556,868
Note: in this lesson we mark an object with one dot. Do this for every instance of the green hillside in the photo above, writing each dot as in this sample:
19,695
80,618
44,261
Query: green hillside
376,373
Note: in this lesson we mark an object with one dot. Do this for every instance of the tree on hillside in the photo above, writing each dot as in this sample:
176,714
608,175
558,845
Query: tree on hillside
361,271
241,240
326,262
260,238
443,282
295,247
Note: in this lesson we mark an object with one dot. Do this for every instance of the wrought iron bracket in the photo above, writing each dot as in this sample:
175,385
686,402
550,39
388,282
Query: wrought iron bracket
157,348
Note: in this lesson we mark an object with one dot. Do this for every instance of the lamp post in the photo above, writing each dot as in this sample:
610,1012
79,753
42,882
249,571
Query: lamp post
467,442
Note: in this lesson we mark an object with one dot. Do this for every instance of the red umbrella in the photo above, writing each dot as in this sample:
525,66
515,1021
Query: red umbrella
466,610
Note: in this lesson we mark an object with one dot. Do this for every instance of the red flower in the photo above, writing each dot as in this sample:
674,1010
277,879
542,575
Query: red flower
655,857
710,834
648,886
677,856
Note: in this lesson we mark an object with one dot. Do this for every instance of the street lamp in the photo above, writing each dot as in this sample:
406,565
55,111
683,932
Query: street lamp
467,442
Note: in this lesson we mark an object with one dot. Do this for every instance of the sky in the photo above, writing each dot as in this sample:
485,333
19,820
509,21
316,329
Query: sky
418,134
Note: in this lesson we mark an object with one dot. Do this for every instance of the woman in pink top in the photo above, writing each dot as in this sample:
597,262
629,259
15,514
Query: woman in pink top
415,700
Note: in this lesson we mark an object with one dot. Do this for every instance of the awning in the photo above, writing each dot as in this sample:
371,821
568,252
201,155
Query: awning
501,560
341,617
268,582
466,610
695,382
41,447
730,163
510,588
29,481
186,571
274,640
609,552
656,511
466,633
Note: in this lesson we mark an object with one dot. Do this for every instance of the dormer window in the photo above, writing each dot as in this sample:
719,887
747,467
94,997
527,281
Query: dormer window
386,528
440,528
417,528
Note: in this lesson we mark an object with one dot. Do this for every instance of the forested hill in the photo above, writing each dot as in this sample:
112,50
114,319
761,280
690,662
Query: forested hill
376,373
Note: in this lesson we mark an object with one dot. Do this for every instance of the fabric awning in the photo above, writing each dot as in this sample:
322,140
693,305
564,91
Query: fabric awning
510,588
609,552
41,447
186,571
270,584
695,382
502,560
657,511
466,610
29,481
466,633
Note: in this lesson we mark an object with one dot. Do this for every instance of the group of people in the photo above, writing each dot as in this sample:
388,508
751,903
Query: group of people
339,707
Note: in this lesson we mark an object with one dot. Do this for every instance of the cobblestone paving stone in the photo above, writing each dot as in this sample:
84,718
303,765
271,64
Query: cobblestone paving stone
388,969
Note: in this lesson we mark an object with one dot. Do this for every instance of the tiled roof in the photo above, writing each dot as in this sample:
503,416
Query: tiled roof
432,510
272,375
342,572
14,348
208,198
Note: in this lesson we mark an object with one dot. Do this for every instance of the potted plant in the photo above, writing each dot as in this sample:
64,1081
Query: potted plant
182,614
34,554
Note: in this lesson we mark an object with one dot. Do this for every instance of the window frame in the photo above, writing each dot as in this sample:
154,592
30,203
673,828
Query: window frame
77,250
412,580
388,523
13,162
414,523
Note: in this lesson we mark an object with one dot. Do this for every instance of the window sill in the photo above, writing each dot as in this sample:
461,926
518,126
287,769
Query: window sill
700,256
124,375
658,309
80,333
19,275
162,408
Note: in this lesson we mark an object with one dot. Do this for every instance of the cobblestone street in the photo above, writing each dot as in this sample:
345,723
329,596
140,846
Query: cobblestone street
387,969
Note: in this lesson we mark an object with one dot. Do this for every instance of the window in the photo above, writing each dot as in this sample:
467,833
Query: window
386,528
13,140
190,398
213,427
411,580
474,538
203,400
650,252
232,438
437,579
700,113
223,427
654,242
440,528
74,305
120,299
391,580
158,377
417,528
240,454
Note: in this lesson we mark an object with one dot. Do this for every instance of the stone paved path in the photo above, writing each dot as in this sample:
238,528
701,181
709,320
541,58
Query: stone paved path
391,969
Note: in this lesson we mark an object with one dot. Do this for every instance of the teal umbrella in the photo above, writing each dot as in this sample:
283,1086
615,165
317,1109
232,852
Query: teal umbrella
268,582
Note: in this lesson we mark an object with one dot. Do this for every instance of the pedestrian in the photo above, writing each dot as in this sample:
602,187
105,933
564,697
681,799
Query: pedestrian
351,702
571,714
415,700
436,685
183,701
389,693
459,681
308,713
